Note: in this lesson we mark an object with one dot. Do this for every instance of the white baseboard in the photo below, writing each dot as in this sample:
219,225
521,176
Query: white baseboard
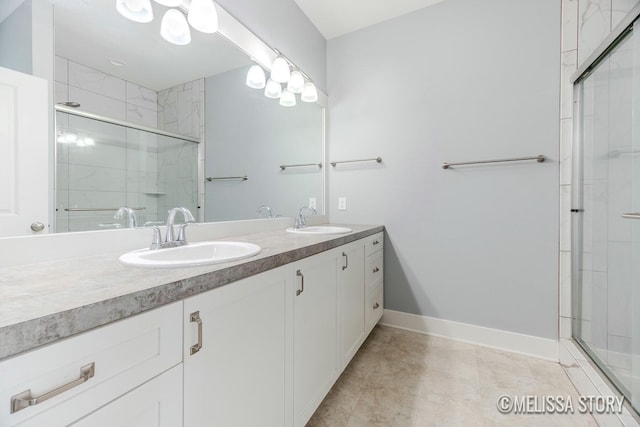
529,345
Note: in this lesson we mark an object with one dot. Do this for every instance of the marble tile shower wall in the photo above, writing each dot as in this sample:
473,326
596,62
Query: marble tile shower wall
181,110
121,169
585,23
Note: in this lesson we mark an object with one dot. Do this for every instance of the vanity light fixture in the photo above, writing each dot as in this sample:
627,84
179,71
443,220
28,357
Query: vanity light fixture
273,89
280,71
203,16
287,99
174,28
296,82
310,93
135,10
255,77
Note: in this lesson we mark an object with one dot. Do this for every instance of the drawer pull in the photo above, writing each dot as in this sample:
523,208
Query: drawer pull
376,305
25,399
301,276
195,317
346,261
375,242
376,269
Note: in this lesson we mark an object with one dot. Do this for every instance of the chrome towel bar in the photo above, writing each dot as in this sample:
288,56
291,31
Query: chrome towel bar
539,159
227,178
283,167
377,159
97,209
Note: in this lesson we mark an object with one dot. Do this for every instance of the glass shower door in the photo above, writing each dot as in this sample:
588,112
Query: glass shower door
607,232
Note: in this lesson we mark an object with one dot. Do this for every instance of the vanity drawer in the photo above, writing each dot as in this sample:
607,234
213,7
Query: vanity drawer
374,271
374,308
77,375
374,243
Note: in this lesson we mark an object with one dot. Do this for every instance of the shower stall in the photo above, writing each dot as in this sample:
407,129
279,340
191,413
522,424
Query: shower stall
606,208
103,164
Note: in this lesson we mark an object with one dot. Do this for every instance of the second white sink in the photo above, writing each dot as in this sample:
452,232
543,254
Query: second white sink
320,229
190,255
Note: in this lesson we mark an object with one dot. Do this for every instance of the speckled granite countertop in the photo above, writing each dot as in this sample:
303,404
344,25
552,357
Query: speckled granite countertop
44,302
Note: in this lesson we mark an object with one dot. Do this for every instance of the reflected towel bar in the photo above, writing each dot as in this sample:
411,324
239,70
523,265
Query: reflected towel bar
97,209
283,167
377,159
539,159
227,178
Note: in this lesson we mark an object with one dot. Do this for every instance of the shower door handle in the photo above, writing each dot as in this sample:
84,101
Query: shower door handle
631,215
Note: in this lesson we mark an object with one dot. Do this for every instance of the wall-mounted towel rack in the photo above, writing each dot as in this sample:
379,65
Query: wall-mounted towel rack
377,159
227,178
97,209
539,159
283,167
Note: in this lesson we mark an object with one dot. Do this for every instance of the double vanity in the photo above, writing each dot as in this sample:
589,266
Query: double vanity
258,340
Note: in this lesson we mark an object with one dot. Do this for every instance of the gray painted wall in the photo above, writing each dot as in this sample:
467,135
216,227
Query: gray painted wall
283,26
248,133
15,39
461,80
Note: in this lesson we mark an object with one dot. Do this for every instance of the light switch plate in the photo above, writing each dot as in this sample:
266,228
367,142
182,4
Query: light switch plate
312,203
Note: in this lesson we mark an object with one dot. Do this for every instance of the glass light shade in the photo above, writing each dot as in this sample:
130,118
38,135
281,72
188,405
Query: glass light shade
174,28
288,99
169,3
310,93
256,77
272,89
135,10
203,16
296,82
280,70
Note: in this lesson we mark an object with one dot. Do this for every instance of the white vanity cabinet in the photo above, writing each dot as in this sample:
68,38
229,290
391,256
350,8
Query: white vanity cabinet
374,278
315,362
351,287
235,353
71,381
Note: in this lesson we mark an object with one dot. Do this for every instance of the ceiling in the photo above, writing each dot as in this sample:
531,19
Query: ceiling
337,17
93,33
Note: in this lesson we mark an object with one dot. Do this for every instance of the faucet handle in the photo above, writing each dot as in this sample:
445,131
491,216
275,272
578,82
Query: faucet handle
181,234
156,240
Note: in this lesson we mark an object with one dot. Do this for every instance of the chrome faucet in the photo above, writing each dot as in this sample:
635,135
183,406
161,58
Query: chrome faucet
132,221
300,221
265,208
170,241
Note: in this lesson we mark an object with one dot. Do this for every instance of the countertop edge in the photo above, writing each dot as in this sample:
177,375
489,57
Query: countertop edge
31,334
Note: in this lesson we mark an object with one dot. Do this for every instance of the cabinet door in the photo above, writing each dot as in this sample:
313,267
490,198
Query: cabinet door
157,403
315,333
352,307
237,377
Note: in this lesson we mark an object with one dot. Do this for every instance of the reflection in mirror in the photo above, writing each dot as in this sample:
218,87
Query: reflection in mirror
119,69
103,166
250,134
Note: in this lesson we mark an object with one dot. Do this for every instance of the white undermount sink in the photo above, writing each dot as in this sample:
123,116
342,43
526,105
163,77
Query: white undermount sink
190,255
320,229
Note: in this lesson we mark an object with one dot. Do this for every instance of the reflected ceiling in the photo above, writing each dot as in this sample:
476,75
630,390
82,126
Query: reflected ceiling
93,33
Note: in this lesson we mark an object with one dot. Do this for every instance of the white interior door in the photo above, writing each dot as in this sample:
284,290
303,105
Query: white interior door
24,154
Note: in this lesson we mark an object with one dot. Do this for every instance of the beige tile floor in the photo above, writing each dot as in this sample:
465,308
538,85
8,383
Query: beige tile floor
401,378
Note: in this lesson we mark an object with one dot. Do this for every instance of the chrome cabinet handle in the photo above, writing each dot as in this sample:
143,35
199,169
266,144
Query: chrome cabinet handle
631,215
301,276
346,261
375,242
195,317
376,305
375,270
26,399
